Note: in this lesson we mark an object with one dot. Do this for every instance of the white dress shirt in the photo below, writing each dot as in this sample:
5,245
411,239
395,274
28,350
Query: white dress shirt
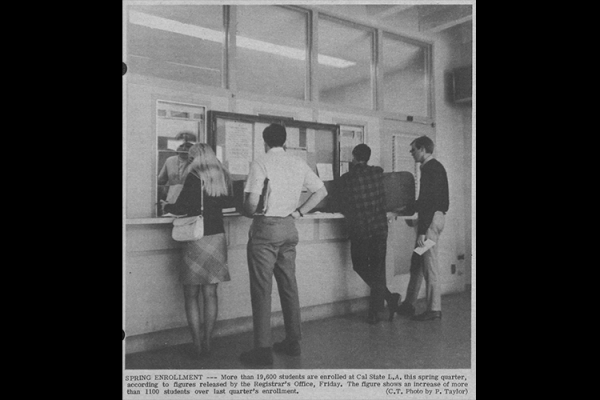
287,175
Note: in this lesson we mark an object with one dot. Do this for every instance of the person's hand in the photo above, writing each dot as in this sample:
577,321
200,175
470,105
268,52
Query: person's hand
296,214
391,215
421,240
162,206
399,210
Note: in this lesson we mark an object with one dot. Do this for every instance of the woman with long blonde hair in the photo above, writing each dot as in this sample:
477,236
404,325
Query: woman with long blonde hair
206,190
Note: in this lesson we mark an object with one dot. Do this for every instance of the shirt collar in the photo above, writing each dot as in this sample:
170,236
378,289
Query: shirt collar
276,149
428,158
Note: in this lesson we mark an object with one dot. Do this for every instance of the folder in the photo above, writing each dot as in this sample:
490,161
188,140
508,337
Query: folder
263,199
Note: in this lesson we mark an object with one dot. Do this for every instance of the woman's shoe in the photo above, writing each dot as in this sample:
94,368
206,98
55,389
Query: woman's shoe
393,305
206,349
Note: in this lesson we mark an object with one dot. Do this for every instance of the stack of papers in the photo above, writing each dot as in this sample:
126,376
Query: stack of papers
169,215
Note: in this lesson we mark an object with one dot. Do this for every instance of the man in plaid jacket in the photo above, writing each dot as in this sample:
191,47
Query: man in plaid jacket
362,201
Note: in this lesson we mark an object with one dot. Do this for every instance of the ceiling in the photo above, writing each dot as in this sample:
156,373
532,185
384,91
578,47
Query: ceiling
424,19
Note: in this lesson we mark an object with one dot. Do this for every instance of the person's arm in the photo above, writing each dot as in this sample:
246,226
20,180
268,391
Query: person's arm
310,203
163,177
187,199
433,183
253,190
250,204
314,184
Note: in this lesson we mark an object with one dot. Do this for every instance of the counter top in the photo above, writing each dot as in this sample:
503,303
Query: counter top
311,216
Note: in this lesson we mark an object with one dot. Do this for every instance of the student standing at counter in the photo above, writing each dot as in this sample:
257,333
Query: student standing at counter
205,260
431,206
362,201
272,241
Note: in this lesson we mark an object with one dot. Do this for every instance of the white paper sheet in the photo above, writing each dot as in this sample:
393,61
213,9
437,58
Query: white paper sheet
428,244
292,137
238,140
173,144
238,167
325,171
259,143
298,153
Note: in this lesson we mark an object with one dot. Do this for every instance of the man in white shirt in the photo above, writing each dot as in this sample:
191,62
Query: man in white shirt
272,241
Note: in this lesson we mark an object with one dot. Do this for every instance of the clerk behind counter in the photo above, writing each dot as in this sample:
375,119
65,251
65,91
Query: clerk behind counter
172,171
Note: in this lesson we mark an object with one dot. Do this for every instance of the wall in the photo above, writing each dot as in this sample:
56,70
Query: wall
453,149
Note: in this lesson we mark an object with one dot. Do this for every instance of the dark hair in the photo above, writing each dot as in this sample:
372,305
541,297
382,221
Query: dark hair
185,146
186,136
274,135
424,141
362,152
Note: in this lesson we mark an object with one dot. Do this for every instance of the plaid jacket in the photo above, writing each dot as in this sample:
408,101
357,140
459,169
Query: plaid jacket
362,200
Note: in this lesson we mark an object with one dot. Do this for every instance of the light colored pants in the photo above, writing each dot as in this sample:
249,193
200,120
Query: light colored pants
427,267
271,251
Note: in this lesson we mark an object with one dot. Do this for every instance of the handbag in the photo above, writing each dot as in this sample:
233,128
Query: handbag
187,229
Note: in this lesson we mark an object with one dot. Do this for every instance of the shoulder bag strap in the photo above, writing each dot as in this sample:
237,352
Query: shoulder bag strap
201,192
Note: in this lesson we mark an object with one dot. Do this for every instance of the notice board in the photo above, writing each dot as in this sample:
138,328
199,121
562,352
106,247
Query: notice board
237,141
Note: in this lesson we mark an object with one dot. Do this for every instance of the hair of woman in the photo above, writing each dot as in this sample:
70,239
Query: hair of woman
215,178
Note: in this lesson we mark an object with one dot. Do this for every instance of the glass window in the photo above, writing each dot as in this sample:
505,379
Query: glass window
345,61
178,126
176,42
350,137
272,54
405,77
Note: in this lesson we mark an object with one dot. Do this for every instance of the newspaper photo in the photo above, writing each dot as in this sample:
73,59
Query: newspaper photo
324,152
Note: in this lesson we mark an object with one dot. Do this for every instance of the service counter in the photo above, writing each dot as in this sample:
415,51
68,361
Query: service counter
328,286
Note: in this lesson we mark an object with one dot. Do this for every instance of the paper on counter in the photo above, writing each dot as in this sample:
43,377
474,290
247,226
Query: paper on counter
428,244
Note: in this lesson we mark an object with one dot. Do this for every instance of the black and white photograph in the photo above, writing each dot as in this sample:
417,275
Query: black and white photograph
298,199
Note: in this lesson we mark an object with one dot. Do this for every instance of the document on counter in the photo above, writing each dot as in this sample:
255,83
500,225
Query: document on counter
169,215
428,244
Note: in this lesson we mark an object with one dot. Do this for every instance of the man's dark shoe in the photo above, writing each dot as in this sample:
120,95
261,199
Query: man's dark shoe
406,309
393,305
257,356
428,316
289,347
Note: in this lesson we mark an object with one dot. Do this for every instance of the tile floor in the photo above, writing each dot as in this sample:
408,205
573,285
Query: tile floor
344,342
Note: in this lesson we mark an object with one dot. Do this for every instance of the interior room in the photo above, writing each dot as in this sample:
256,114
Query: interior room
336,75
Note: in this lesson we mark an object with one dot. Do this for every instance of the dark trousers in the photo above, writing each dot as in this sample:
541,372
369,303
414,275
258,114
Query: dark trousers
271,251
368,260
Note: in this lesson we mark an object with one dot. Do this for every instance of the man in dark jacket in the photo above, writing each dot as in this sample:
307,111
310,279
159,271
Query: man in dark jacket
362,201
431,206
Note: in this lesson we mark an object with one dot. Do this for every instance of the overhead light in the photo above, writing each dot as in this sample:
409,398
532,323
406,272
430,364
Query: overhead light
169,25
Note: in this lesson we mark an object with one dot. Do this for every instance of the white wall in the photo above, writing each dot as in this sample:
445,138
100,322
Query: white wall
453,150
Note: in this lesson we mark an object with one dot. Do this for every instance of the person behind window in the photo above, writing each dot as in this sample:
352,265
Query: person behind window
172,172
205,260
362,201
